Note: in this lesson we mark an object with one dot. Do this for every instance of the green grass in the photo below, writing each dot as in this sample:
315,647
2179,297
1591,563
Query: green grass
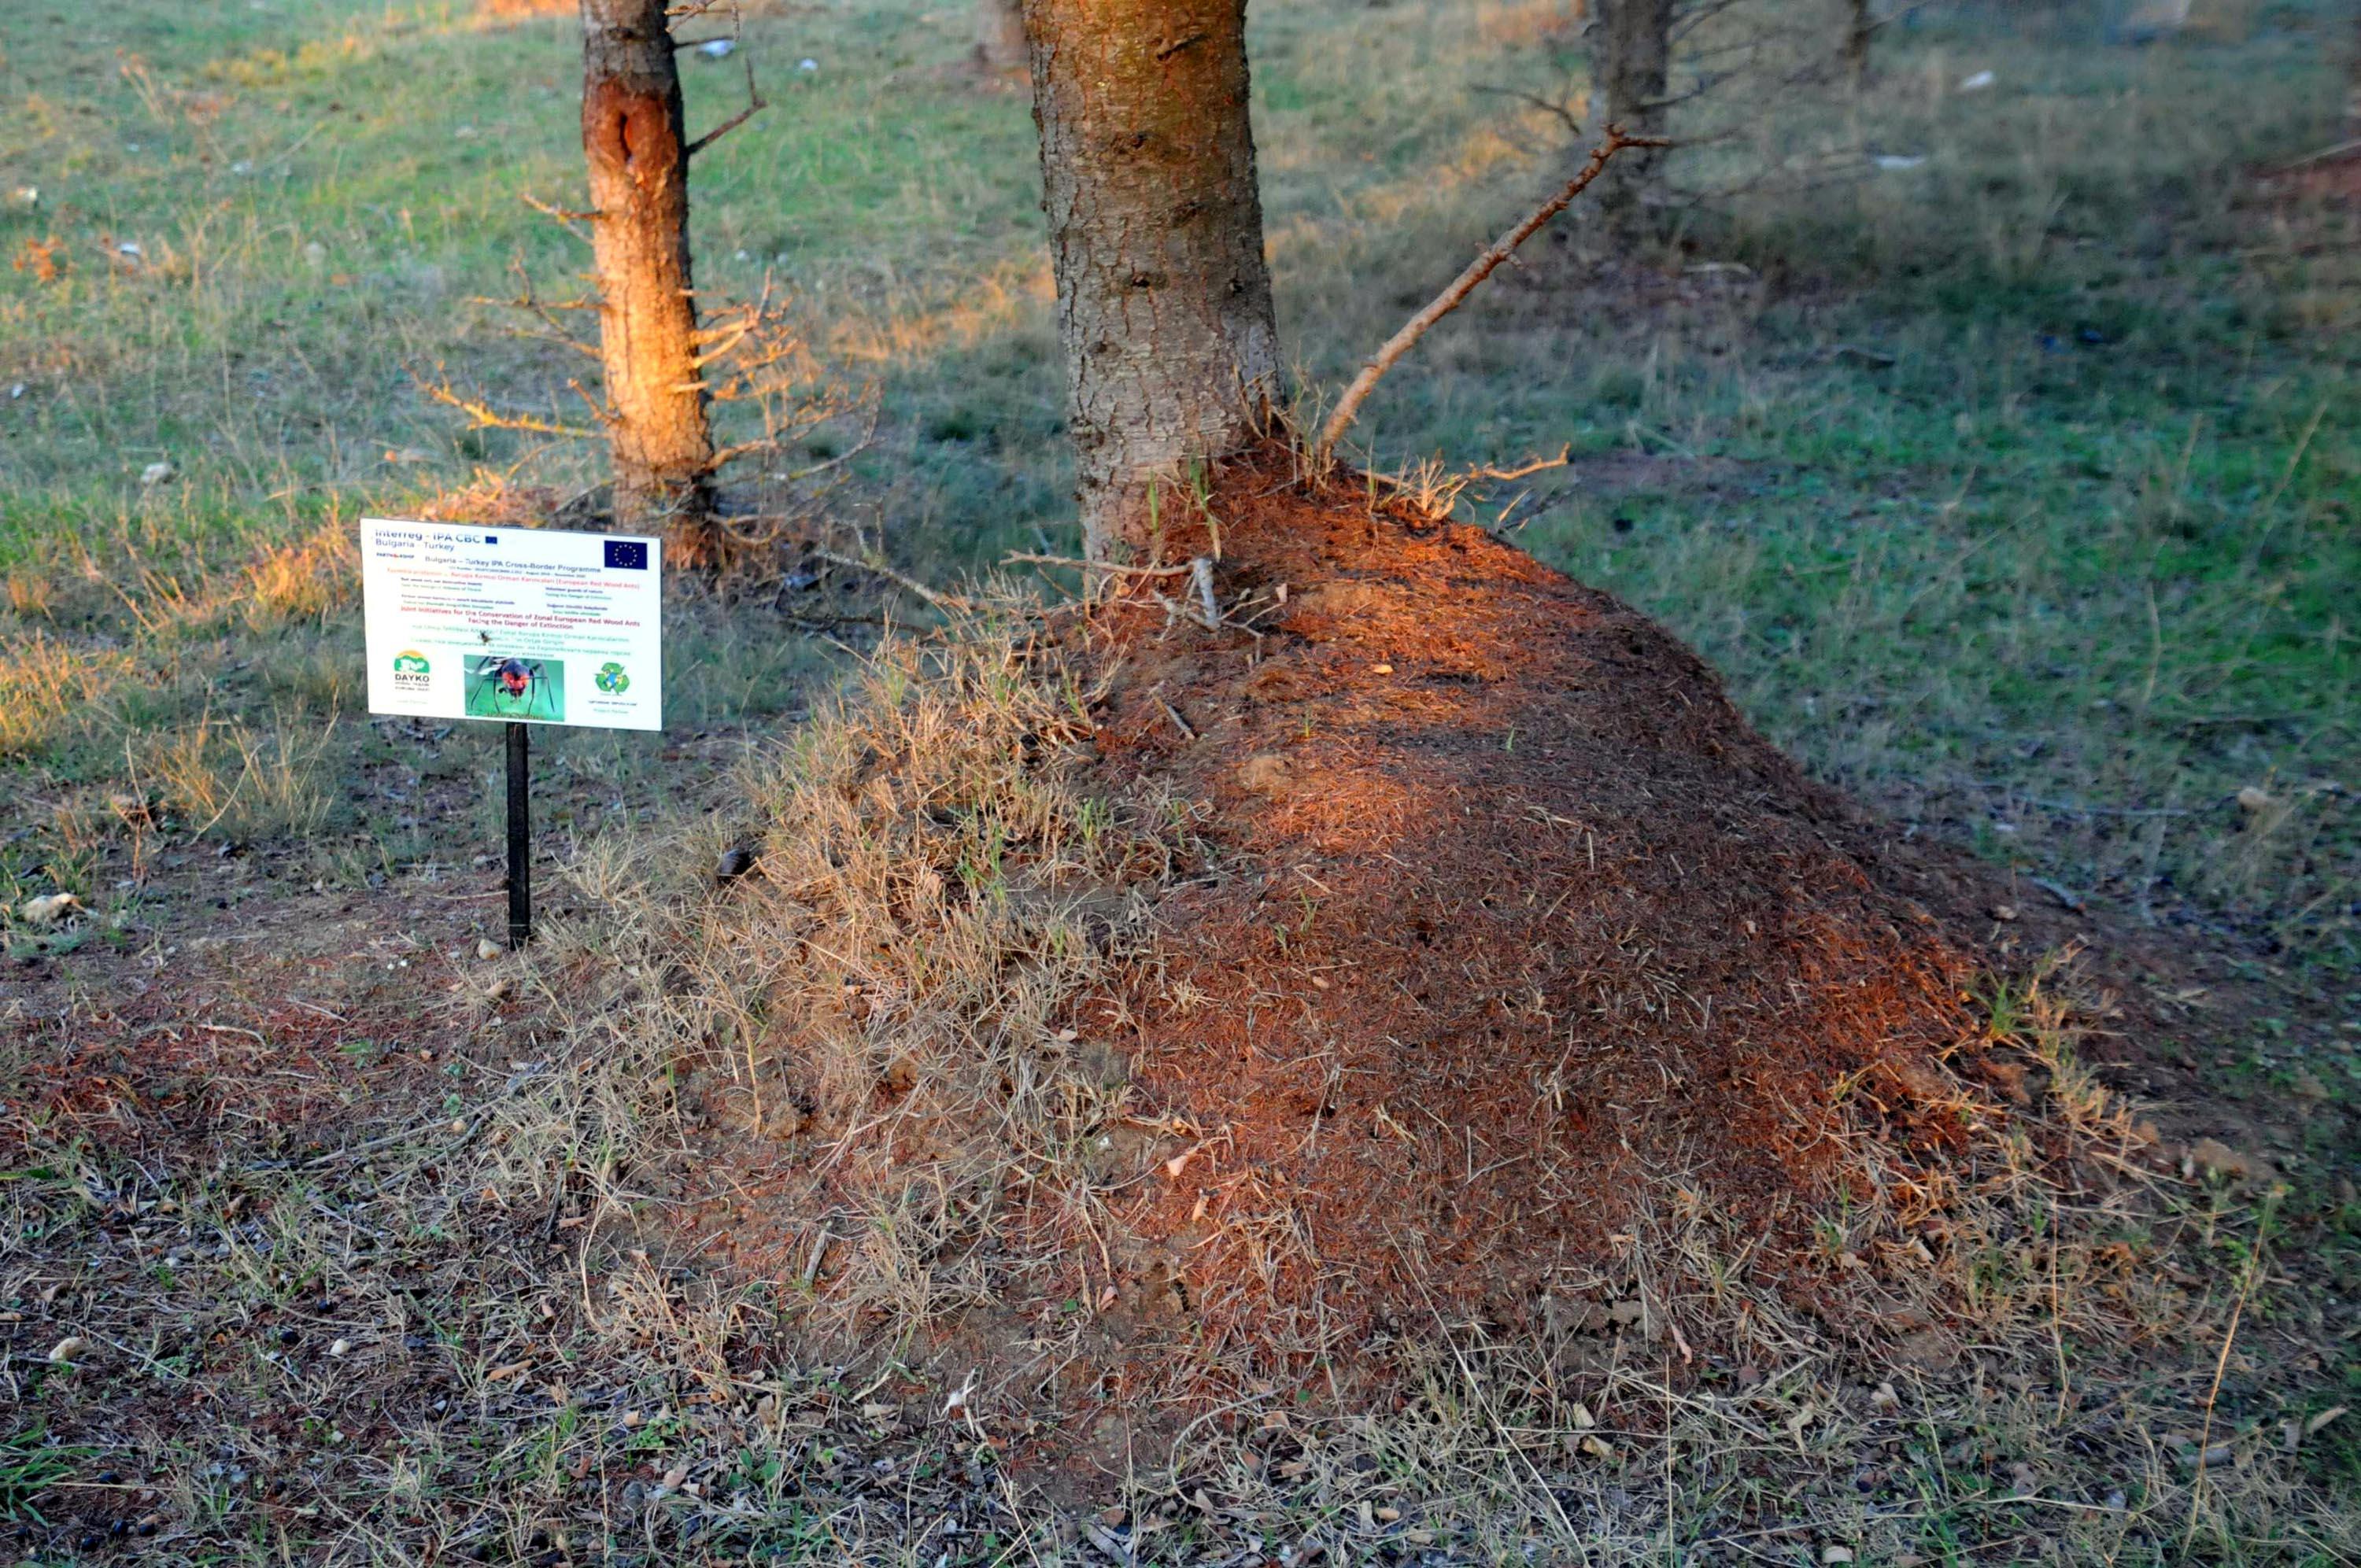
29,1467
2058,582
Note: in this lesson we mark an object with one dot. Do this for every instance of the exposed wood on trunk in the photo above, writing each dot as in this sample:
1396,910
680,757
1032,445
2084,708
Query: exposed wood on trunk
1632,64
1164,303
634,142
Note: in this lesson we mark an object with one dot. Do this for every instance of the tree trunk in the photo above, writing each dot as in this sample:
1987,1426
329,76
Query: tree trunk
1633,64
1147,174
1859,26
1000,35
633,140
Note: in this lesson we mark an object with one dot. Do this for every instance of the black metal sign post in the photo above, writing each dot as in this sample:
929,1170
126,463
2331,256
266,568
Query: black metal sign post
520,836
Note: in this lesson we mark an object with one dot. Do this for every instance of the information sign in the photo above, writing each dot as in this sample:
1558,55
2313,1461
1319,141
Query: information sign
519,625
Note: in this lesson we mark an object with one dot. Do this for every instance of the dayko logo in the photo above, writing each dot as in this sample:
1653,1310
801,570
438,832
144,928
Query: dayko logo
410,671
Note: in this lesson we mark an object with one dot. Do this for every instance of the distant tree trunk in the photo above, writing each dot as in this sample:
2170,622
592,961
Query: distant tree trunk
1860,26
1632,64
633,140
2353,79
1147,174
1000,35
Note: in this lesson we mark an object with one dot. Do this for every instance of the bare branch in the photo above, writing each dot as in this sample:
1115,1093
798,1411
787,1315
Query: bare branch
487,417
1556,110
1106,567
948,603
754,105
566,219
1449,300
1565,456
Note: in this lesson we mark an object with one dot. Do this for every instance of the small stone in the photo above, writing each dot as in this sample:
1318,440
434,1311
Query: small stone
486,949
2004,913
155,474
1266,774
69,1350
735,862
340,1348
1836,1554
1383,670
1925,1351
2217,1158
50,908
2254,801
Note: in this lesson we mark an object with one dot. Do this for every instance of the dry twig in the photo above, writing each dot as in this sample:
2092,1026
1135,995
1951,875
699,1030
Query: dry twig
1500,250
948,603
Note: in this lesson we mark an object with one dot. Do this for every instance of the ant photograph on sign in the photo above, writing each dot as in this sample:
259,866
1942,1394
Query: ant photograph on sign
517,687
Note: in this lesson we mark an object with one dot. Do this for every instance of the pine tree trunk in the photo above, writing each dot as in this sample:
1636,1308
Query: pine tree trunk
1164,308
1632,64
633,137
1859,26
1000,35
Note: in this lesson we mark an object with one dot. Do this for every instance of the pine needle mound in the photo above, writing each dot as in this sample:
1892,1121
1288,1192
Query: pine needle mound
891,990
1158,1011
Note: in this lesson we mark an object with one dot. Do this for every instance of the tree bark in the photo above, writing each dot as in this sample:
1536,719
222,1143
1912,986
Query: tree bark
1632,64
1860,28
1000,35
633,139
1164,304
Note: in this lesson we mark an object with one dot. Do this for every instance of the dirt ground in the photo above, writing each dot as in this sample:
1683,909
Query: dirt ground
1507,956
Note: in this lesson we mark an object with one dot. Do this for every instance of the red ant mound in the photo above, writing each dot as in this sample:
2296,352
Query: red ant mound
1513,944
1182,994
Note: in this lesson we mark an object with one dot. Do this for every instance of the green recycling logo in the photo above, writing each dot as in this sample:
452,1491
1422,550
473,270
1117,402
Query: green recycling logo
612,679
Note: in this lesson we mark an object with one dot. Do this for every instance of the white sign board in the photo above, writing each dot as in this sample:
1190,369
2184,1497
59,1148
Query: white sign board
509,624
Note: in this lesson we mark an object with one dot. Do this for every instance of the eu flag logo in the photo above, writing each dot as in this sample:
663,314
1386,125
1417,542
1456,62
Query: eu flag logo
627,555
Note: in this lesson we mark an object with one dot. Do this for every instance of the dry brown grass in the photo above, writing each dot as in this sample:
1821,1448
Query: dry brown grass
884,995
48,685
301,581
244,781
2016,1349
